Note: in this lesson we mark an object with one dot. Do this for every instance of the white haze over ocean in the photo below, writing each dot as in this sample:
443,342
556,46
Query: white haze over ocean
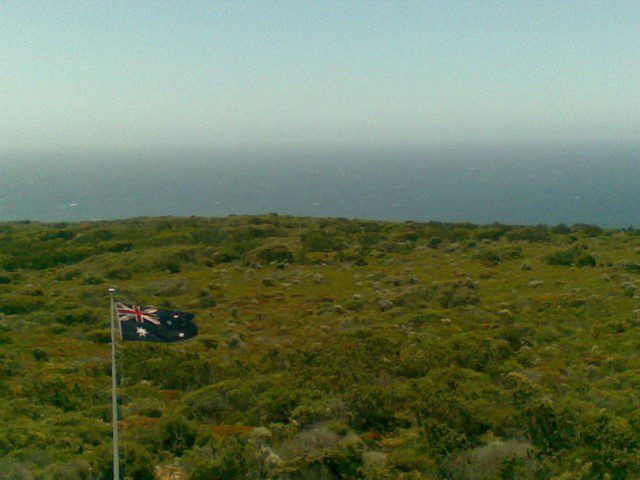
525,185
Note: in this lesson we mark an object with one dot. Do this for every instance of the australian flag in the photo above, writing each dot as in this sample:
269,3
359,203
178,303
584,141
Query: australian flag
146,324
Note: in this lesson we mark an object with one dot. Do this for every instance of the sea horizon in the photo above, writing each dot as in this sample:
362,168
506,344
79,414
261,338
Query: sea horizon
524,185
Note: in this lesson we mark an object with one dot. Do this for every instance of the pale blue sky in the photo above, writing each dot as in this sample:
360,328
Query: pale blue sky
262,74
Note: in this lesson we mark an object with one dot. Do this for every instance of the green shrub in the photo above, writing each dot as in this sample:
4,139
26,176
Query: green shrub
177,434
449,397
57,235
116,247
488,257
102,335
227,254
320,241
459,294
119,274
39,355
615,448
434,242
12,470
71,470
442,441
549,427
373,407
561,229
18,304
169,266
211,236
139,464
503,460
277,253
224,461
571,257
68,274
206,302
491,233
530,234
56,392
167,368
631,267
91,279
79,315
224,402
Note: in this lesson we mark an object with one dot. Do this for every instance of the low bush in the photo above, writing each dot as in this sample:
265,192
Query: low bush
571,257
176,434
277,253
19,304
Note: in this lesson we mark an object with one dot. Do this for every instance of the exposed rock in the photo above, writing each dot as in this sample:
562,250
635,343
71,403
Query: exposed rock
385,304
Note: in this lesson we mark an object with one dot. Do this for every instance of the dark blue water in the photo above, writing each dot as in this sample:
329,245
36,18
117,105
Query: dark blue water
527,185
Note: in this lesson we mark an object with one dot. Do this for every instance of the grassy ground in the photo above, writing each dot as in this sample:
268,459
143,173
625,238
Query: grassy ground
328,349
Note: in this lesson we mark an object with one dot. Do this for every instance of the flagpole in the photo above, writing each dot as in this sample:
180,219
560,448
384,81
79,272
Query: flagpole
114,380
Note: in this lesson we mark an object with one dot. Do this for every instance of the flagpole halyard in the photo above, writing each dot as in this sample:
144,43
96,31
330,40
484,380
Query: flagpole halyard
114,391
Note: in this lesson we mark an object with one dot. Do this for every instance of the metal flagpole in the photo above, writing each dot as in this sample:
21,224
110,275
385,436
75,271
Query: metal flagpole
114,399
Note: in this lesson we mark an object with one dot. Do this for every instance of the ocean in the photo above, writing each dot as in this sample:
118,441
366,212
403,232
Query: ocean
515,185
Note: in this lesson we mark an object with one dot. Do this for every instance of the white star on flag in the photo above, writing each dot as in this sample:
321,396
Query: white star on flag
141,332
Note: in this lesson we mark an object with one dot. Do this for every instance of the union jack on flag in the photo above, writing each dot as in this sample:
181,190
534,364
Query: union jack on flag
149,324
140,314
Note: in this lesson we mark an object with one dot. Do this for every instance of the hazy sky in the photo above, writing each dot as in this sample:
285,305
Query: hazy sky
226,74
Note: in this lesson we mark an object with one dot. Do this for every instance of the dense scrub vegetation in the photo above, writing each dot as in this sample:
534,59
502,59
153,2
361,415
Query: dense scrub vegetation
328,349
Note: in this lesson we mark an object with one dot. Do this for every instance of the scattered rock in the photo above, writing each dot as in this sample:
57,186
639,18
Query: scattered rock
536,283
385,304
525,266
318,278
